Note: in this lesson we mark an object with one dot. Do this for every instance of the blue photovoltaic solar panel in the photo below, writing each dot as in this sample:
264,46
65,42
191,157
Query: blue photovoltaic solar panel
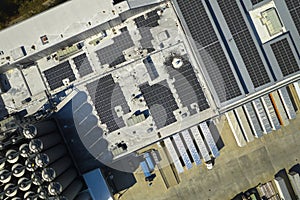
294,8
256,1
285,57
209,139
190,144
144,25
244,42
113,54
106,95
57,74
210,49
82,65
182,150
187,86
150,68
161,103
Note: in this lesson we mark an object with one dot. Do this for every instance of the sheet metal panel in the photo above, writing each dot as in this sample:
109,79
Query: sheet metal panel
262,116
253,121
189,142
278,106
287,103
244,124
236,129
209,139
182,150
201,145
173,155
270,112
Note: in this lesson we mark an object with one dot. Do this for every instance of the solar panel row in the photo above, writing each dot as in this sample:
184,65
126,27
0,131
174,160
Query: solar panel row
106,96
294,8
144,26
57,74
256,1
244,42
83,65
210,49
188,87
285,57
161,103
113,54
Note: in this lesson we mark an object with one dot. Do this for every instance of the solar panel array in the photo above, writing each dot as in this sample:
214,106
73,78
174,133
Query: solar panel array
285,57
188,87
148,62
113,54
106,96
256,1
57,74
244,42
161,103
207,43
294,8
144,25
83,65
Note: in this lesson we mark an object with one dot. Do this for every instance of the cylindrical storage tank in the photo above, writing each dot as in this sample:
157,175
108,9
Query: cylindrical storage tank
16,198
42,191
30,164
5,176
29,131
31,196
24,150
56,169
12,156
2,162
24,184
10,190
45,127
36,178
45,142
5,145
50,155
18,170
72,190
62,182
16,139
